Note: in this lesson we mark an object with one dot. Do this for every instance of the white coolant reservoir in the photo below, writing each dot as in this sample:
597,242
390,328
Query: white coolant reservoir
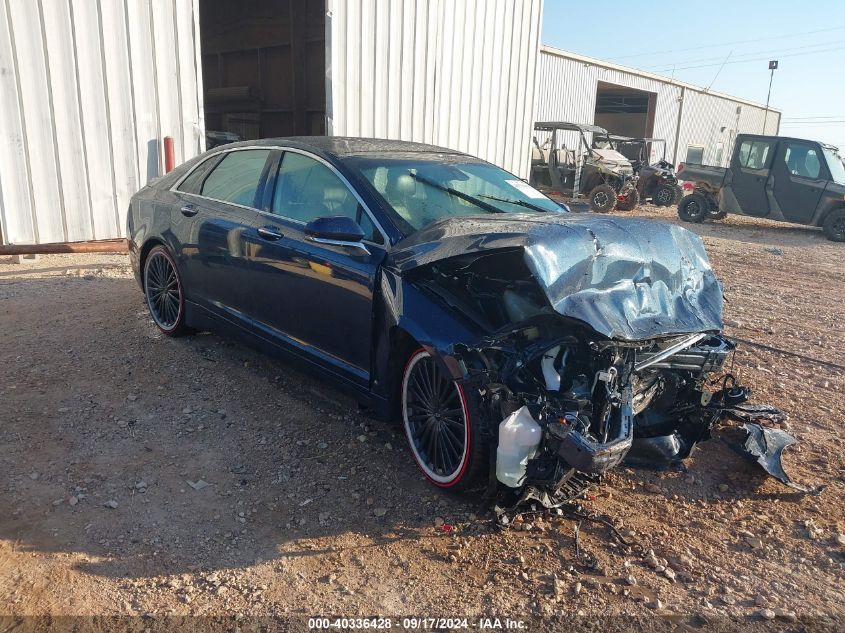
519,438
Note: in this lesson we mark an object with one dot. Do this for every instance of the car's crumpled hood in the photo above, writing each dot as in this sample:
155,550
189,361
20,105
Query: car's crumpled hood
628,278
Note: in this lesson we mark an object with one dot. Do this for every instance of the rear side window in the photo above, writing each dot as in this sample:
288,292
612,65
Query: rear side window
236,177
193,183
754,154
802,160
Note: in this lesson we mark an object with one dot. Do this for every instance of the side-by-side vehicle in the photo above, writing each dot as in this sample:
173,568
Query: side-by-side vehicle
773,177
591,170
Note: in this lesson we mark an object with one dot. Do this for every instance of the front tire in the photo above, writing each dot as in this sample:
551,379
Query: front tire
603,198
164,293
664,195
438,424
834,226
693,208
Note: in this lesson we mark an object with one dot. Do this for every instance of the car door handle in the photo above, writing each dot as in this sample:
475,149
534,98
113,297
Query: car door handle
189,210
269,233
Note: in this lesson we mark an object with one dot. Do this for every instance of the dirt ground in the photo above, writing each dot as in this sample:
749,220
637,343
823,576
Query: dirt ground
152,477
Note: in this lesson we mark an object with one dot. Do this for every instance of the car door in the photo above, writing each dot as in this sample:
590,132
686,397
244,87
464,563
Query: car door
316,298
222,209
800,177
750,169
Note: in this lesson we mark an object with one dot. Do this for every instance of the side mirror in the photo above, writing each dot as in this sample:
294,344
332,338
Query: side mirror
338,229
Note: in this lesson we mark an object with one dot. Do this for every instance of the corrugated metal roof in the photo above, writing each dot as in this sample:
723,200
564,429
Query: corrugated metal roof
647,75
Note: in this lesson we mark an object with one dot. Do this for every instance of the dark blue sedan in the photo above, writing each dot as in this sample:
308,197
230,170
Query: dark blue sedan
514,341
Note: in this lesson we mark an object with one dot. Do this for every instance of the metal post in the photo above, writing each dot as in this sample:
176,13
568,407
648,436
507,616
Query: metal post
772,67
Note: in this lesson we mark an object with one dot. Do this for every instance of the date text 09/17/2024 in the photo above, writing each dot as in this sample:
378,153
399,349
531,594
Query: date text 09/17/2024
416,623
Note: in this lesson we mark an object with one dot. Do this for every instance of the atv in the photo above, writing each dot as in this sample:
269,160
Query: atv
595,171
655,181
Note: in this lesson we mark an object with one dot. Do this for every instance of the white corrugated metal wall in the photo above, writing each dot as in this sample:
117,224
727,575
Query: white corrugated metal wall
88,88
566,91
455,73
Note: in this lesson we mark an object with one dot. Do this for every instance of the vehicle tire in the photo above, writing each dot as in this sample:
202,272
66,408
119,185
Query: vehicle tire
164,293
693,208
679,193
834,226
629,201
602,198
438,424
664,195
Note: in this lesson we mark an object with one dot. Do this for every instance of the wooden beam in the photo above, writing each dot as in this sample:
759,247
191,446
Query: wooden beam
100,246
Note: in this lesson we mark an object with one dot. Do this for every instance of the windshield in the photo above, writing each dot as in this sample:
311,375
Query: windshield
421,191
834,161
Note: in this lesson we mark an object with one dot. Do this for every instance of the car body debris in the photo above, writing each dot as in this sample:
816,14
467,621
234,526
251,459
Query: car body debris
765,446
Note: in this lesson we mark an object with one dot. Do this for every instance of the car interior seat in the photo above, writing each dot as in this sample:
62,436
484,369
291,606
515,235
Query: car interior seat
400,190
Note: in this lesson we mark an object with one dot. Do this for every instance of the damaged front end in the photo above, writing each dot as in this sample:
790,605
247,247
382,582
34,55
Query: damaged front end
595,401
602,343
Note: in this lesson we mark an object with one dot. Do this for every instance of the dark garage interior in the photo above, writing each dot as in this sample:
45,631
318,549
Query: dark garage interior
263,66
625,111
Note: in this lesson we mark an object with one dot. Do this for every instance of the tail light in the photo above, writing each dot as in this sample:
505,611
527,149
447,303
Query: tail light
680,168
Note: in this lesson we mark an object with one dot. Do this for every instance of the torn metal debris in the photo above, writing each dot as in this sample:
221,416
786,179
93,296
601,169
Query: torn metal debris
765,446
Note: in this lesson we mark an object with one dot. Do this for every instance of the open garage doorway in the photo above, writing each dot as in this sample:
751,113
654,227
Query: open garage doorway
625,111
263,67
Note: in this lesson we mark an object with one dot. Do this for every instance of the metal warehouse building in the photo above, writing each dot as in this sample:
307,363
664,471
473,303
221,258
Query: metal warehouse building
698,125
90,88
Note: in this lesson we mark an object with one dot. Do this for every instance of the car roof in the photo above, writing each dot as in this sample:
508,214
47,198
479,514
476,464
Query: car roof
342,146
548,126
635,139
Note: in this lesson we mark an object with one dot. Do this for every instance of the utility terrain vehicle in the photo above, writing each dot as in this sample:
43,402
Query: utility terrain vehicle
774,177
655,181
601,174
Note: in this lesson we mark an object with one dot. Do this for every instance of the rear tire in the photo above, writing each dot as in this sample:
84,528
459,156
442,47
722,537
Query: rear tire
438,424
834,226
164,293
602,198
693,208
664,195
630,201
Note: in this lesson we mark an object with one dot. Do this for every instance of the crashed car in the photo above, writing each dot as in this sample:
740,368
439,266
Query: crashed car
519,345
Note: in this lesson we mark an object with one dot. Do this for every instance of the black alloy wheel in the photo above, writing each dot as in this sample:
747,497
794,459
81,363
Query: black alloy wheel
693,208
436,422
664,195
163,292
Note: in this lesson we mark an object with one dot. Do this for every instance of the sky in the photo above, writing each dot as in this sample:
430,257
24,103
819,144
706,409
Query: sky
696,38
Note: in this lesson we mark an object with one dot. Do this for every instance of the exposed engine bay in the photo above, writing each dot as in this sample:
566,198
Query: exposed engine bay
561,403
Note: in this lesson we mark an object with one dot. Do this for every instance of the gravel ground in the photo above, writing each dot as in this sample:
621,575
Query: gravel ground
153,477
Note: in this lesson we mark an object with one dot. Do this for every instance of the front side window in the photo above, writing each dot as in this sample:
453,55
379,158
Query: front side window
236,177
422,190
835,164
754,154
306,189
802,160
